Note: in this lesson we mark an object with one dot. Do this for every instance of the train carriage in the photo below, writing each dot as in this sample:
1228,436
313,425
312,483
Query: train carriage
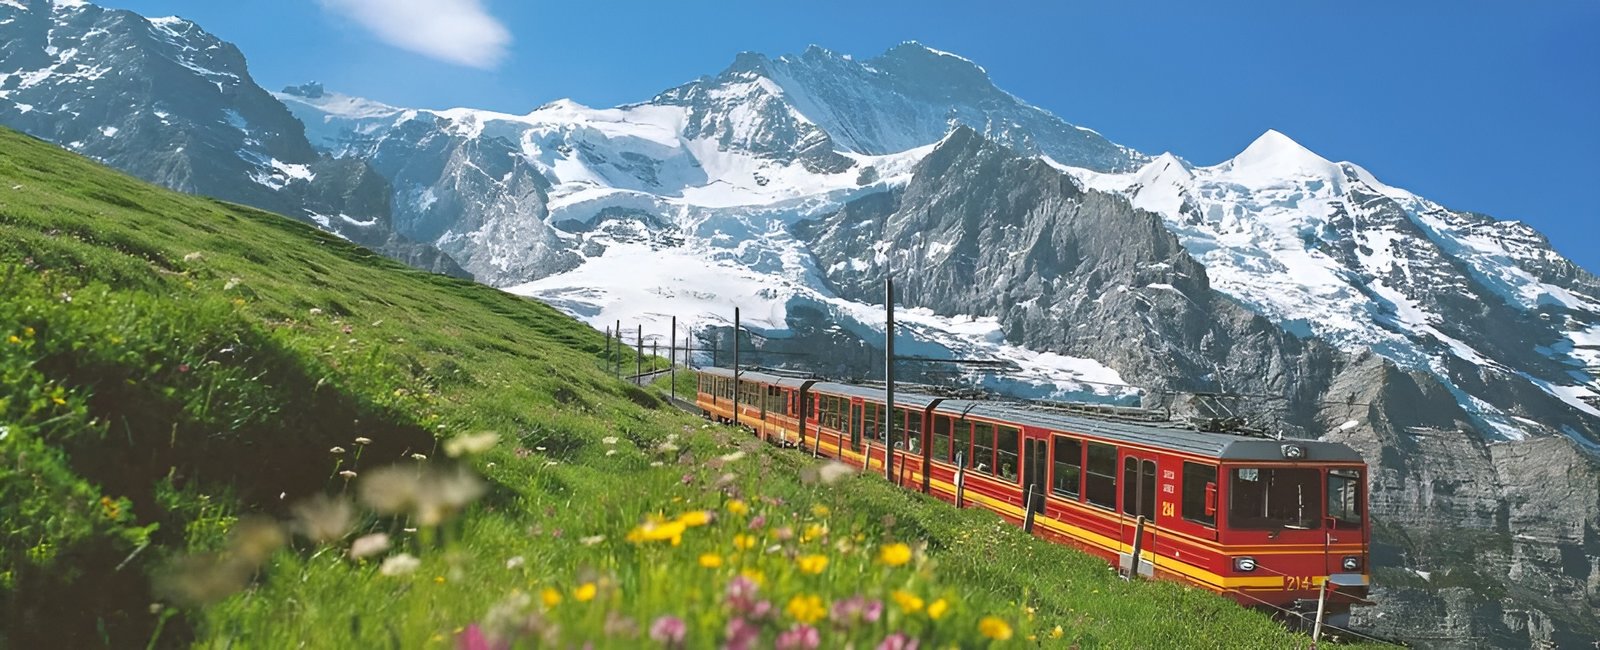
1263,521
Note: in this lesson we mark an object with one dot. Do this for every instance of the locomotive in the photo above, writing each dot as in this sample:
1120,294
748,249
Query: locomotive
1271,523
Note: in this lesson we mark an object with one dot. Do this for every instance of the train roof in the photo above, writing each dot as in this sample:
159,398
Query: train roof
1223,446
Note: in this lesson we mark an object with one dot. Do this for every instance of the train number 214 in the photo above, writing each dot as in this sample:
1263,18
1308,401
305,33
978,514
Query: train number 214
1298,583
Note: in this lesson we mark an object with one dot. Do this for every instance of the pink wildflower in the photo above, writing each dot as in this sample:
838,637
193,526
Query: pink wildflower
799,637
898,641
668,630
741,634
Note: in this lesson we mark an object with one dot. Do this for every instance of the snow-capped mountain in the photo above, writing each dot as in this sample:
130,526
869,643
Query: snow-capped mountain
791,186
166,101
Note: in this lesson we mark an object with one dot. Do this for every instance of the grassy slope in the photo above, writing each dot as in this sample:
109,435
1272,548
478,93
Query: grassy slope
171,363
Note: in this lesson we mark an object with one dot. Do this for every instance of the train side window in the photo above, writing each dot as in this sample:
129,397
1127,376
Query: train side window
913,431
983,447
963,442
1006,452
941,437
1100,476
1200,493
1344,498
855,424
1068,456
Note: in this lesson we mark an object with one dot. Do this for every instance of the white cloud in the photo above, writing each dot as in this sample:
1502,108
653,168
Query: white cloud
458,31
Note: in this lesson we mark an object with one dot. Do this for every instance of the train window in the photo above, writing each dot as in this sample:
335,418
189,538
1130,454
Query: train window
1100,476
873,421
1068,467
1200,493
855,424
1006,452
983,447
1344,498
963,443
941,437
1275,497
913,432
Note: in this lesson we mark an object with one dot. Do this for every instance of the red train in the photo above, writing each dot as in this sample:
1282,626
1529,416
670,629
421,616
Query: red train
1265,522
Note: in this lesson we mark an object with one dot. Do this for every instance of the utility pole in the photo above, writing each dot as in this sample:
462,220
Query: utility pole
638,359
736,366
672,358
608,347
618,330
888,383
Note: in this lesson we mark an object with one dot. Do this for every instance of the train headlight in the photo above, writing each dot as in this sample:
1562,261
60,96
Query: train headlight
1244,564
1293,452
1351,563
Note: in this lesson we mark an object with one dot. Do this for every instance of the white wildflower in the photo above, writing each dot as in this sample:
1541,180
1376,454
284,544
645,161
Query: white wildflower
475,443
399,565
369,545
592,540
610,440
363,441
336,450
515,562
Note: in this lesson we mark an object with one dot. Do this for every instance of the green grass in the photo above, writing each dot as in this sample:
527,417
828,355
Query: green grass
177,371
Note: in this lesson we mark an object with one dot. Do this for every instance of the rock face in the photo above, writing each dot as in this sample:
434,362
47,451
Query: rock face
165,101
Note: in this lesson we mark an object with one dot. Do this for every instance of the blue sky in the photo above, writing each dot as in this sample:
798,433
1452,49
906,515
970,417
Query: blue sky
1490,107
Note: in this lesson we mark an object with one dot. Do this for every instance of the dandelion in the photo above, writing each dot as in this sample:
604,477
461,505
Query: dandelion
896,554
710,560
806,608
937,609
591,540
813,532
363,441
995,628
799,637
812,564
550,597
336,450
737,507
908,602
369,545
585,592
652,531
476,443
744,542
669,630
399,565
899,641
820,511
696,518
322,519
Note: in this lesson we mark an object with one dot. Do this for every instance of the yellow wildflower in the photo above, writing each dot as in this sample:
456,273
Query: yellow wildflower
744,542
908,602
695,518
937,608
806,609
655,531
994,628
585,592
894,554
28,332
438,580
1057,632
738,508
550,596
812,564
57,399
820,510
13,340
755,575
813,533
710,560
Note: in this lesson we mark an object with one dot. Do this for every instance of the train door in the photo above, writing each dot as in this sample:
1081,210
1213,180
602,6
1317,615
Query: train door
1138,500
1035,473
856,410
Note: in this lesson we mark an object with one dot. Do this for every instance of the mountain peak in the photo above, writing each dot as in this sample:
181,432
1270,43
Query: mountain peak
1276,153
916,51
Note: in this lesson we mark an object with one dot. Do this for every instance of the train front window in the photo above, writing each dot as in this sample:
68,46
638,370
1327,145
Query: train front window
1269,498
1344,498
